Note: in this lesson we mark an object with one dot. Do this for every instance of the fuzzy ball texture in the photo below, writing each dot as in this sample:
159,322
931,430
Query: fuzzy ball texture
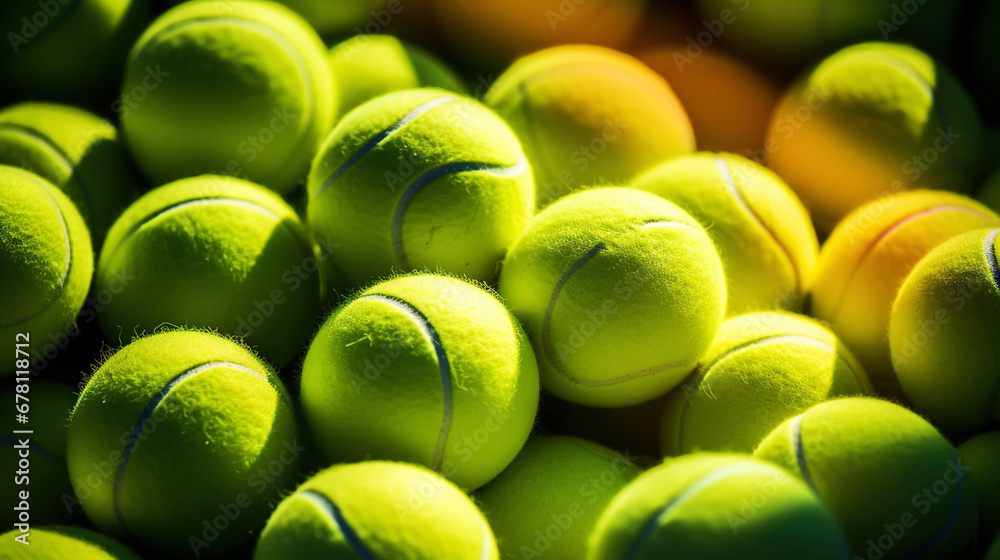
426,369
869,255
762,369
944,329
588,116
870,120
59,543
241,89
172,433
546,503
77,151
46,262
981,455
367,66
893,482
420,179
761,230
212,252
377,509
709,505
621,292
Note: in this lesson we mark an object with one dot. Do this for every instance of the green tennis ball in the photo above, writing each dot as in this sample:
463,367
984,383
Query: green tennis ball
60,543
425,369
46,263
77,151
42,492
762,369
943,332
763,233
377,509
547,502
367,66
872,120
621,292
981,456
709,505
420,179
589,115
182,440
893,482
241,89
70,50
212,252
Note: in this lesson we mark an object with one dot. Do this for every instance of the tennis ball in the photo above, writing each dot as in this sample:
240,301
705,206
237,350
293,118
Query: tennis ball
893,482
180,440
792,32
621,292
763,233
867,258
69,50
762,369
714,505
547,502
728,101
989,193
77,151
377,509
588,115
425,369
212,252
943,332
367,66
241,89
870,120
420,179
60,543
46,263
981,455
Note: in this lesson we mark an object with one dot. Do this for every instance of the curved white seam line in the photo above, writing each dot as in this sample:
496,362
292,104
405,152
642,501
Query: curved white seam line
418,184
330,509
381,137
795,433
144,417
444,367
487,549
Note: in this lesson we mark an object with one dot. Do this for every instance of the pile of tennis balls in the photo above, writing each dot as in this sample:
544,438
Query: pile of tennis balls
484,280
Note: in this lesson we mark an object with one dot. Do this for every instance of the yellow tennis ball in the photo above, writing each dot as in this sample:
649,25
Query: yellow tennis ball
621,292
589,116
893,482
59,543
870,120
981,456
714,505
760,228
762,369
869,255
943,332
547,502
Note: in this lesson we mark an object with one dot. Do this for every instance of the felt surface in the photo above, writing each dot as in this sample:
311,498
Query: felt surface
58,543
981,455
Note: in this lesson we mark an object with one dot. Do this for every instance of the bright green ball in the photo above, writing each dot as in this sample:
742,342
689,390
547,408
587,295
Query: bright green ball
77,151
763,233
212,252
377,509
367,66
50,495
943,333
239,88
893,482
547,502
621,292
420,179
63,49
61,543
182,440
708,505
981,456
46,263
426,369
